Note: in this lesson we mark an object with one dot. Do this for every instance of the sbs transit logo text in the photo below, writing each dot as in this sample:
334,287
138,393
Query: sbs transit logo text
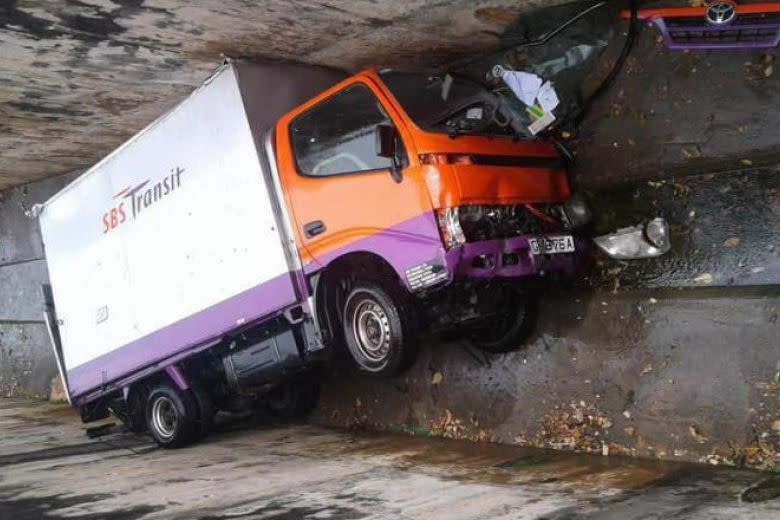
134,200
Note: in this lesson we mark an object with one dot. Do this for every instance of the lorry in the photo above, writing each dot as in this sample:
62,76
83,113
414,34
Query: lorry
282,212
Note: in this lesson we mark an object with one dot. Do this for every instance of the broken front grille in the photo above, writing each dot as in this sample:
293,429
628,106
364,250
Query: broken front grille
755,30
711,38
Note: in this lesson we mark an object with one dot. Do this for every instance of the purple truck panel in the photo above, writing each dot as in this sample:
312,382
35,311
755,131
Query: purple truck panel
404,245
189,333
177,376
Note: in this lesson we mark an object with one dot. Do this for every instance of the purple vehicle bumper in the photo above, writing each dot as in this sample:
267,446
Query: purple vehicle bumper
509,258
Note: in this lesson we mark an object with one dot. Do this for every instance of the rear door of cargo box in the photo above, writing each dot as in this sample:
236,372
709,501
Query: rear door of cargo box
167,243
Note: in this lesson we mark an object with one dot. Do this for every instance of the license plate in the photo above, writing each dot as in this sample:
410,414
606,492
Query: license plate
552,245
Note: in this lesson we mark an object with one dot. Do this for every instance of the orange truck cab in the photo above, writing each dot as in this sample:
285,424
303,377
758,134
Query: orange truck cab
412,203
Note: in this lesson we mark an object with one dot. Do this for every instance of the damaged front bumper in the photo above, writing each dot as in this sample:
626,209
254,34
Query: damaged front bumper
509,258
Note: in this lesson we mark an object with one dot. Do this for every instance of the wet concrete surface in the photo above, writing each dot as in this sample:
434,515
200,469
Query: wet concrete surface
251,469
723,226
672,113
678,375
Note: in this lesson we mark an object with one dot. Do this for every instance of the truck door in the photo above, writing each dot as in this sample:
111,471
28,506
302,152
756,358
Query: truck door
342,194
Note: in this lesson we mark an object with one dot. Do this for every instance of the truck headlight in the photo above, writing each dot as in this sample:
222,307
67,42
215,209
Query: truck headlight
657,233
650,240
449,227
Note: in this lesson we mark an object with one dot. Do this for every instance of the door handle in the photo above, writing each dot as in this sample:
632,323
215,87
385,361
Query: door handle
314,228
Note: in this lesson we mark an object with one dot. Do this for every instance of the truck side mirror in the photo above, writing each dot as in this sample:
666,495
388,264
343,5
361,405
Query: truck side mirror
387,146
385,141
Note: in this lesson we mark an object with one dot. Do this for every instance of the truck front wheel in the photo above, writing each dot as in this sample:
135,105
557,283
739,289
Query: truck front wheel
377,330
510,327
171,416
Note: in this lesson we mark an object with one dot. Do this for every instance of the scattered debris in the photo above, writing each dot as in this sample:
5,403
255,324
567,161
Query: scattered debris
767,61
449,427
746,162
731,242
703,279
630,431
691,152
579,427
697,435
646,370
437,378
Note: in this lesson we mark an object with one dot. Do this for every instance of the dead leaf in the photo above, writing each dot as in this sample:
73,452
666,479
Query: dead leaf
731,242
647,370
746,162
776,425
690,152
703,279
630,431
696,434
437,378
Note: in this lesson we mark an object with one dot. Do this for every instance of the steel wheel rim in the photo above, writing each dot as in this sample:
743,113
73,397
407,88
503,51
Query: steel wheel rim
371,328
164,417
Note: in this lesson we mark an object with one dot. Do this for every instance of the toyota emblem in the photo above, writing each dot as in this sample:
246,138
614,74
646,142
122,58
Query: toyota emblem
720,13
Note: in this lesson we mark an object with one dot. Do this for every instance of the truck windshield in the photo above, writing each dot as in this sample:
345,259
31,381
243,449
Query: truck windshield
437,104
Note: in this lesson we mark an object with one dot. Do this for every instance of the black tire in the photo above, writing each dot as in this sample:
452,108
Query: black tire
293,399
171,416
206,411
378,330
512,329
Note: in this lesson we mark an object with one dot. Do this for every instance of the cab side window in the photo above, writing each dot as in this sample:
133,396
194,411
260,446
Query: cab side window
337,136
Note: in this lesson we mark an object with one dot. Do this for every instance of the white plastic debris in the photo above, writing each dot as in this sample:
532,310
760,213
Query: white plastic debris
525,85
547,97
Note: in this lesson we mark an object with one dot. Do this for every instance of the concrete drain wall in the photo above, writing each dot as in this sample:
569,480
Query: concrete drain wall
687,375
26,362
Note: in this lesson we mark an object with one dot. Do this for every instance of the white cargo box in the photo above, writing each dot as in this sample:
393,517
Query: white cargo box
172,240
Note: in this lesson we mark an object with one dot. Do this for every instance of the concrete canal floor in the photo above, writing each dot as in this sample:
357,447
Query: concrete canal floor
50,469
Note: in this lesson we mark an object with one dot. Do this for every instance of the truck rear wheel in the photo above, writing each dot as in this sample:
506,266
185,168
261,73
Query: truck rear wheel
171,416
513,325
377,330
